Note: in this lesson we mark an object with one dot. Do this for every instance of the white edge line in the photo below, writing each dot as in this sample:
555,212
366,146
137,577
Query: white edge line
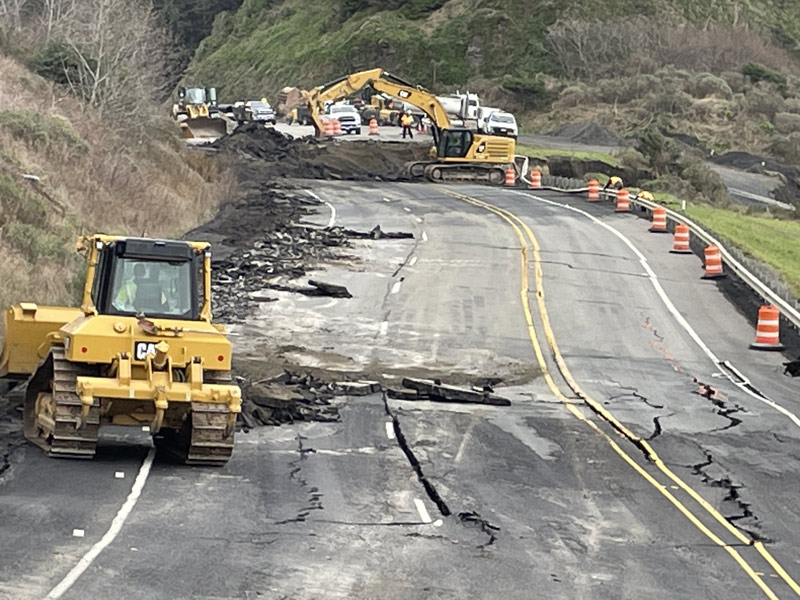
396,287
332,208
423,512
651,275
113,531
390,430
424,237
413,261
384,327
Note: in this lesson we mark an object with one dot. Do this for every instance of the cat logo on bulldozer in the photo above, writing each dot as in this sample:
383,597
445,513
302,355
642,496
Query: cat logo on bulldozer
142,349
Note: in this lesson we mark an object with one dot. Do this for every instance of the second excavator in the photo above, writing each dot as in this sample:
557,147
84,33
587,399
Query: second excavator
457,154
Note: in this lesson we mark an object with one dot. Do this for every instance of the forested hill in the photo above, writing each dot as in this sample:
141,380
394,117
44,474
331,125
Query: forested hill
265,44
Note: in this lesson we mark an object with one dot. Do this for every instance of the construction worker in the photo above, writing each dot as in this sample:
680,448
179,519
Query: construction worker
293,116
406,121
644,195
613,182
127,292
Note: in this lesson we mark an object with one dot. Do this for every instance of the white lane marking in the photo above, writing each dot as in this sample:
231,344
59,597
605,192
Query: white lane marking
467,435
438,523
435,346
384,327
396,287
651,275
424,237
387,199
405,208
418,219
119,475
413,261
390,430
332,208
146,428
78,533
113,531
423,512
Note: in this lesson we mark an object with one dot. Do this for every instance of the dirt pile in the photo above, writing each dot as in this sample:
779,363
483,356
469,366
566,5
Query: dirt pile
588,132
285,156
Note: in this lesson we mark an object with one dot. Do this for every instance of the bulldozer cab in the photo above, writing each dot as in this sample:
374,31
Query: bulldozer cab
160,279
198,95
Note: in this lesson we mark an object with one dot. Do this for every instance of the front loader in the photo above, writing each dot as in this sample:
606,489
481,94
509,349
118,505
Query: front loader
140,351
197,113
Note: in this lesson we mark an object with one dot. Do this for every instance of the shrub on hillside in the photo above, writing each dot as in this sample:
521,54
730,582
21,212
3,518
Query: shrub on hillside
703,85
760,101
42,131
736,81
787,122
757,72
665,103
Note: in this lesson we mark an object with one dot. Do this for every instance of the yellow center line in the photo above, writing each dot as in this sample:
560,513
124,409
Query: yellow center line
521,229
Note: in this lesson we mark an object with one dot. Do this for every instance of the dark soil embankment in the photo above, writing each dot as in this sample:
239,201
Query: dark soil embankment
283,156
788,192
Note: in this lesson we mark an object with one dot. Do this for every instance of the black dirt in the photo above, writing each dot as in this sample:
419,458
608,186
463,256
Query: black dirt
281,155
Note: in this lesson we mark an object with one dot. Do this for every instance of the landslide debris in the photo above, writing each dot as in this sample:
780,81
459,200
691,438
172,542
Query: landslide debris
281,155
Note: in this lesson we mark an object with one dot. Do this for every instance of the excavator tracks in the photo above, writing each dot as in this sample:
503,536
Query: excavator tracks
438,172
52,409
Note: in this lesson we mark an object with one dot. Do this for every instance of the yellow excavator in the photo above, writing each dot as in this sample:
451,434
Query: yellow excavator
197,113
457,154
140,351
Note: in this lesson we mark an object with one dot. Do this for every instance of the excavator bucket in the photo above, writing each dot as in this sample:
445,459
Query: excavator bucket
203,127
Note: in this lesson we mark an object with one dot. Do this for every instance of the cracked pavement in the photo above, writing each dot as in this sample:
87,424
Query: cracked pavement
415,500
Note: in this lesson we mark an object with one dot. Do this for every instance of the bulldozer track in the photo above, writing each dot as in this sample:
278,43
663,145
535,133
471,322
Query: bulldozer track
206,437
438,172
52,410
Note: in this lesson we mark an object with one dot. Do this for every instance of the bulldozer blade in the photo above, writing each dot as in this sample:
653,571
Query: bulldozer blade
203,127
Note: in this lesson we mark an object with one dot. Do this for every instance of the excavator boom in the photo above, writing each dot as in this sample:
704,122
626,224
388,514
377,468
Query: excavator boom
461,154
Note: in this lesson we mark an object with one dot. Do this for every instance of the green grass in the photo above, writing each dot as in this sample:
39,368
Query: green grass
543,153
773,241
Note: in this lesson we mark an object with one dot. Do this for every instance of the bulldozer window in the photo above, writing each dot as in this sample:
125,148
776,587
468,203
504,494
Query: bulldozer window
455,144
153,288
195,96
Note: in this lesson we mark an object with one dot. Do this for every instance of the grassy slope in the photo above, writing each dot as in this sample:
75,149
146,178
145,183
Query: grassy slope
267,44
91,178
772,241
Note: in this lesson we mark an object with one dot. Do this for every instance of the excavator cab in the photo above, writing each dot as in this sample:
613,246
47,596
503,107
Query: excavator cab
140,351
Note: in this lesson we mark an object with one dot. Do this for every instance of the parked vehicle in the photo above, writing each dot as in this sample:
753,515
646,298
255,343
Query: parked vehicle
347,115
254,110
501,123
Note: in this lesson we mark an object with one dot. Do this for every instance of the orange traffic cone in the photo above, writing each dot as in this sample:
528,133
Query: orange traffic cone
337,127
536,180
681,243
768,329
511,177
373,127
327,128
659,224
623,201
594,190
713,263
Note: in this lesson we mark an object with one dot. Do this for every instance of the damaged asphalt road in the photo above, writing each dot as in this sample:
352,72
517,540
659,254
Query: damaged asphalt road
336,490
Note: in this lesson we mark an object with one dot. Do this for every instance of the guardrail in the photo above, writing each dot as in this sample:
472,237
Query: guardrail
789,311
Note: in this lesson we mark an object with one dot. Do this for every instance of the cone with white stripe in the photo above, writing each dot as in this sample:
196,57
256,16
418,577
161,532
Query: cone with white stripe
768,329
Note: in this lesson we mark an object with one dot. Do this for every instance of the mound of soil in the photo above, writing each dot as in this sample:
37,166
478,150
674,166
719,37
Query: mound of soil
588,132
285,156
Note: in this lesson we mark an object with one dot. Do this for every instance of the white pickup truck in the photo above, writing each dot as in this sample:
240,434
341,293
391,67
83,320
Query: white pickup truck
497,122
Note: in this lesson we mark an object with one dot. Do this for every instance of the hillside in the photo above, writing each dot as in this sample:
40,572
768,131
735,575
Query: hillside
721,71
63,171
269,43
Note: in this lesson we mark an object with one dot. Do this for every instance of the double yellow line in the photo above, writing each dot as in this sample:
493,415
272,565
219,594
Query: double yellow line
529,242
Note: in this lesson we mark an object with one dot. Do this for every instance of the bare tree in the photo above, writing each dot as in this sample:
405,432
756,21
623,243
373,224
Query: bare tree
118,51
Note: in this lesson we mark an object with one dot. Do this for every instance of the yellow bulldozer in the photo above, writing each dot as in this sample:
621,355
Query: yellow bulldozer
140,351
197,113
